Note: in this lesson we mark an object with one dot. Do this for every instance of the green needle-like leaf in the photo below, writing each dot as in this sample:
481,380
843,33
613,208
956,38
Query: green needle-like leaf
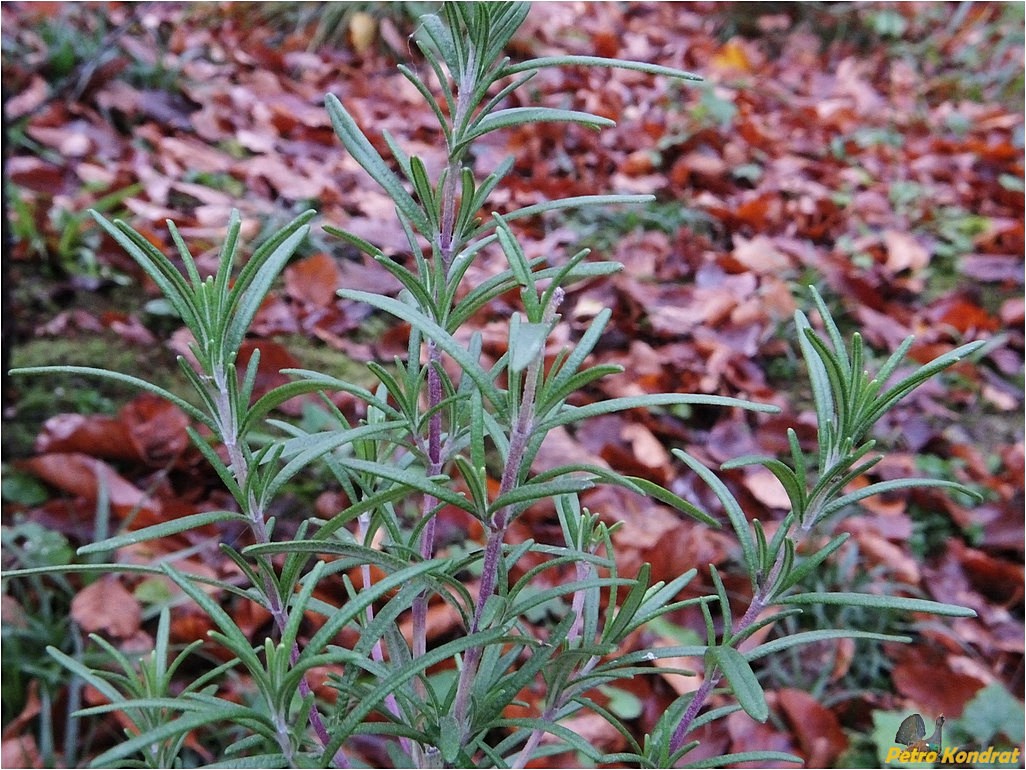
742,680
157,531
363,151
881,602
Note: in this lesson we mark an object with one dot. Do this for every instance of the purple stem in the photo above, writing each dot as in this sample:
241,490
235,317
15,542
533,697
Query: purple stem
500,521
228,424
427,540
712,676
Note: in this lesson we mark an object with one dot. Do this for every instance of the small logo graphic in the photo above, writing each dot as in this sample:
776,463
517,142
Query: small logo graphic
912,733
919,749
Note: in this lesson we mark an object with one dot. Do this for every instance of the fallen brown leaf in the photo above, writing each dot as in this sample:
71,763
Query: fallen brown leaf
106,605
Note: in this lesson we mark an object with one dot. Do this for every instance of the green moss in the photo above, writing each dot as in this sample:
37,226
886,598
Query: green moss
41,397
322,358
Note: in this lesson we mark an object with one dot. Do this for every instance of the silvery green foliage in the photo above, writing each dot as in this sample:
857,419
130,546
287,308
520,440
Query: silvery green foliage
427,441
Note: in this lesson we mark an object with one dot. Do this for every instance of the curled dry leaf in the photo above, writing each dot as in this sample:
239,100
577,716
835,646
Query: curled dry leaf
107,606
904,252
156,429
28,714
680,683
766,489
892,556
313,280
924,676
99,435
748,735
82,475
816,727
442,620
363,31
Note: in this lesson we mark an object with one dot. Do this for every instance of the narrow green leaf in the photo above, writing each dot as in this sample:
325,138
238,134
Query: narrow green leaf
876,601
785,475
571,414
355,608
449,738
160,530
532,491
598,61
87,674
526,342
807,637
222,470
737,517
238,642
721,594
157,266
578,201
564,589
553,397
818,377
836,340
307,449
411,479
742,680
559,381
568,736
810,564
440,38
297,606
183,251
176,727
276,397
226,261
664,495
354,240
894,360
113,568
356,142
501,28
890,486
479,295
764,758
913,381
251,762
412,283
170,703
246,299
617,628
422,186
328,382
435,332
476,483
400,676
419,84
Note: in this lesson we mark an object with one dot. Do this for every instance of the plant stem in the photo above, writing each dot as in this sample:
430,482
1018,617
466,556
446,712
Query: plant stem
427,539
500,521
445,249
228,423
712,677
583,570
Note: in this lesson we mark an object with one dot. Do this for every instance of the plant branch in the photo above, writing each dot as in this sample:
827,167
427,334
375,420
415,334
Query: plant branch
500,521
228,422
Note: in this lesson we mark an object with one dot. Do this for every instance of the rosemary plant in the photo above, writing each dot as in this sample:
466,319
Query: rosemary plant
436,422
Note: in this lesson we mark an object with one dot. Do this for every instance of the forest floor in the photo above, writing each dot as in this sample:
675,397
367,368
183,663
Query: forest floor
874,151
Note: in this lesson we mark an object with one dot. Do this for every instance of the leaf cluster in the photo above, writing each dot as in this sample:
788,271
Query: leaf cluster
432,429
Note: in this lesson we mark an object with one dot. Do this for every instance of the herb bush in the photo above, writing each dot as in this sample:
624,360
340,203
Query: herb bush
435,424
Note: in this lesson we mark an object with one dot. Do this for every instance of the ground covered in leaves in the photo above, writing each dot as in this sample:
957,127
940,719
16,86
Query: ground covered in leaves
874,151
